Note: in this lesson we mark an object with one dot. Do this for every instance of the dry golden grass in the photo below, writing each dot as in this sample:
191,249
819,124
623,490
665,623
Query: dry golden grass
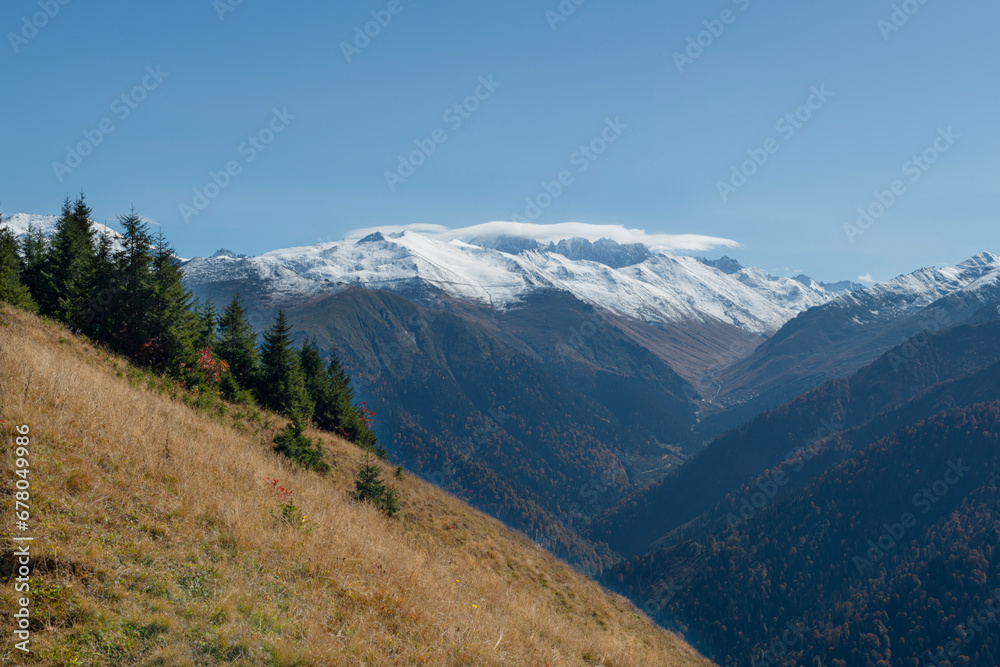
157,544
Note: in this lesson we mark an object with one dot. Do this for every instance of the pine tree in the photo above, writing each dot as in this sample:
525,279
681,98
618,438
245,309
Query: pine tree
282,386
97,323
12,290
238,344
171,322
329,388
296,445
208,320
317,381
34,268
343,415
128,306
70,263
370,487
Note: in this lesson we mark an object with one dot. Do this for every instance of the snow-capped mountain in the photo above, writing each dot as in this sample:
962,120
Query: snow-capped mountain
904,295
628,280
852,330
19,223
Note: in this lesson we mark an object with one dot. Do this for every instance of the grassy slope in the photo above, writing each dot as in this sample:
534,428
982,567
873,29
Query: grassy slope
156,544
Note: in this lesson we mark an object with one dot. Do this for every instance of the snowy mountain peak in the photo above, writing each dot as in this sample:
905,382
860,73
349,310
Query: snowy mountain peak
374,237
984,261
604,251
228,254
977,277
500,270
20,223
725,264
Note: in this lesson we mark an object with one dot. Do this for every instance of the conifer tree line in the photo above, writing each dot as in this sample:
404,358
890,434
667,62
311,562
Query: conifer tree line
131,298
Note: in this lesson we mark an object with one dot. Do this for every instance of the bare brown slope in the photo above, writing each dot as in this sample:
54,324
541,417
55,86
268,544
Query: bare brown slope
158,542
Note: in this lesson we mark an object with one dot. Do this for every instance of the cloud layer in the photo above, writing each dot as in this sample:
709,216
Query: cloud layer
667,243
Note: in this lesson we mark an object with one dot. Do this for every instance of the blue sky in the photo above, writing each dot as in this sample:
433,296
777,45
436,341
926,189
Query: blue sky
556,86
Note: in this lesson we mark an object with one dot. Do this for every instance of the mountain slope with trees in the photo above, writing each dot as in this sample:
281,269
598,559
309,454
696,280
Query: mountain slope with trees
127,293
890,557
799,430
166,533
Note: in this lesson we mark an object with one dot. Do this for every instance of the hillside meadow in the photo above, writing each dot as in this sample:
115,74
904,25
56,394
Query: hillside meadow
162,538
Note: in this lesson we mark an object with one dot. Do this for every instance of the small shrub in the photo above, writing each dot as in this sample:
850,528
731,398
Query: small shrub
232,390
370,487
288,512
296,445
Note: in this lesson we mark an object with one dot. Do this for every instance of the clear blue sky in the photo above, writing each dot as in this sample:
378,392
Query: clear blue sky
324,173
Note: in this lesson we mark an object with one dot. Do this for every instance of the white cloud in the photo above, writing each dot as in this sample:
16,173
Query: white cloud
867,278
557,232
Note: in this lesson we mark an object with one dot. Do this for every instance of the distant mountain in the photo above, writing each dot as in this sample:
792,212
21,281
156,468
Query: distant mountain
626,280
839,337
228,254
890,557
892,392
19,223
768,524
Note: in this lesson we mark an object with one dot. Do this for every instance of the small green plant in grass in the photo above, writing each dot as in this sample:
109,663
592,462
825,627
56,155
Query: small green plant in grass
370,487
287,512
296,445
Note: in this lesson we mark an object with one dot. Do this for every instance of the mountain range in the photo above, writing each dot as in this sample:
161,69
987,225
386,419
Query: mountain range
682,428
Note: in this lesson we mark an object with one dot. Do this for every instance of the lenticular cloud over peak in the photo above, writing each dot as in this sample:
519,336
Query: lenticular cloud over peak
668,243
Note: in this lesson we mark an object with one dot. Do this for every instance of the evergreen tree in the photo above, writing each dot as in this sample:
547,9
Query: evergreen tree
208,319
127,312
97,323
282,386
296,445
344,415
238,344
34,268
370,487
316,379
329,388
12,290
171,321
70,263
